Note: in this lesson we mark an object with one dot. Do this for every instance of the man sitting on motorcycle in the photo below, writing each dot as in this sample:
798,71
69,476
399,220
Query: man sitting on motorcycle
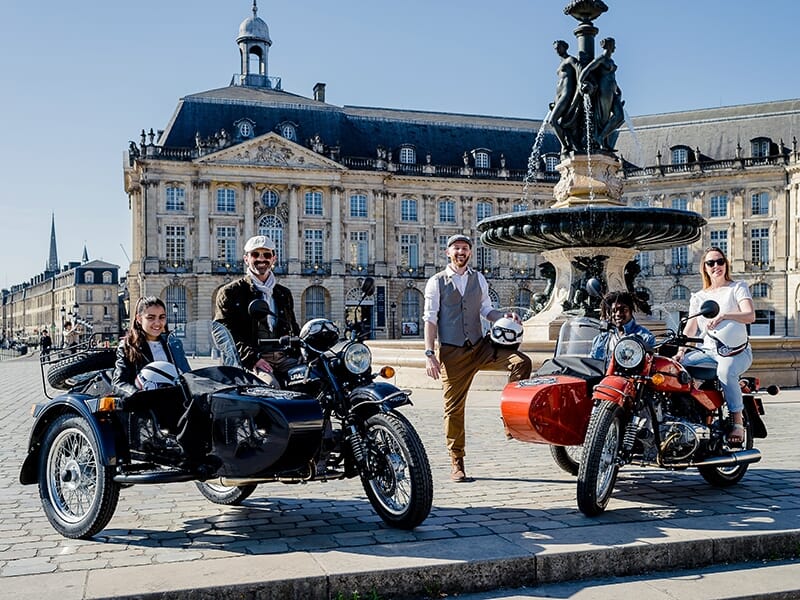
269,364
617,308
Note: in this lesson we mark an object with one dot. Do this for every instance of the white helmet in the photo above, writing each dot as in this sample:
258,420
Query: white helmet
506,332
156,374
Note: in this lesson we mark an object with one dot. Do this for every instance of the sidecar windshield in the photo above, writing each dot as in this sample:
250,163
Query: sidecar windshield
576,336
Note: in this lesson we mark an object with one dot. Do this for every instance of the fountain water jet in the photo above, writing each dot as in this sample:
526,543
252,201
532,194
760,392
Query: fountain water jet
588,231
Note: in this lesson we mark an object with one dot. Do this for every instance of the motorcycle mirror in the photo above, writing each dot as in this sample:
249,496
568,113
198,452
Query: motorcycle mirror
594,288
368,286
709,309
259,309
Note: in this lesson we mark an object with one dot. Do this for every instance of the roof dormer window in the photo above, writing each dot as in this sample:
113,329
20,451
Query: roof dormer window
245,129
481,158
289,131
408,155
680,155
759,147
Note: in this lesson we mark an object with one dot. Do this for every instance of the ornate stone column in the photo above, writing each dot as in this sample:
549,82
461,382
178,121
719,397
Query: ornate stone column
293,240
249,217
337,267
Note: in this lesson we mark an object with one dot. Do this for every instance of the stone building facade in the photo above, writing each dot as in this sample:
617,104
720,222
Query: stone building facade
348,192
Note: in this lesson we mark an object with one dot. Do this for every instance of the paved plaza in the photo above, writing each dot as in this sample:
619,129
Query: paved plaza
516,524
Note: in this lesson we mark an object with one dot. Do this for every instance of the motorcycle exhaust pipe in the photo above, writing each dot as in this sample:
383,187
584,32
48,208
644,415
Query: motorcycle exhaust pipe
737,458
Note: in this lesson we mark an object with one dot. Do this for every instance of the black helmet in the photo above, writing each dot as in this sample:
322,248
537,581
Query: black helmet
320,334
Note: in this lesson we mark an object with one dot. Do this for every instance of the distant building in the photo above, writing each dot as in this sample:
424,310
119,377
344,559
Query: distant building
352,191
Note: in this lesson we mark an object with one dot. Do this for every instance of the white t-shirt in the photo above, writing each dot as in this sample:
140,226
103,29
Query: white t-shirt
158,351
728,298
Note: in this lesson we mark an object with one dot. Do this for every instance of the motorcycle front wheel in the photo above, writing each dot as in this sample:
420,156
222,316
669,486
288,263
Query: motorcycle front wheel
728,476
398,479
229,495
78,492
568,458
598,469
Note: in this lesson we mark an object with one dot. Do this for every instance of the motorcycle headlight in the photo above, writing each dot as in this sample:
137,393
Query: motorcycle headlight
629,353
357,358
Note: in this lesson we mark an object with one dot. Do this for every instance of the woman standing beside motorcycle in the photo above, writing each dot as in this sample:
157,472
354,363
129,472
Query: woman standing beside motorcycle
725,341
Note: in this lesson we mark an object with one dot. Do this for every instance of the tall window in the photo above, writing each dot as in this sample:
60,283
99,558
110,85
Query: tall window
88,277
175,239
719,238
483,210
410,311
680,256
358,205
680,292
447,211
107,277
175,296
516,208
359,248
226,200
719,206
408,209
524,299
272,227
314,203
759,245
760,290
315,303
680,203
483,258
759,203
409,250
645,261
680,156
313,244
176,198
226,244
408,156
481,160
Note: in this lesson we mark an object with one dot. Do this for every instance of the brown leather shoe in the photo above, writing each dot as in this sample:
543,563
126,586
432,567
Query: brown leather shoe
458,474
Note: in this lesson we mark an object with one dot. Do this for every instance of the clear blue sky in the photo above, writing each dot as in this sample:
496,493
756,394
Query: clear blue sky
81,79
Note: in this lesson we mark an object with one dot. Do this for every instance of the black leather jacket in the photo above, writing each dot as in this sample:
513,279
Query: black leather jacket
231,311
125,371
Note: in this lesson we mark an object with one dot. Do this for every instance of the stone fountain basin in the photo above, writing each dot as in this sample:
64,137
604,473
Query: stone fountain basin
643,228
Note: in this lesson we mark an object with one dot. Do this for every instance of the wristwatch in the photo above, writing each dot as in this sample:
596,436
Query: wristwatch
429,353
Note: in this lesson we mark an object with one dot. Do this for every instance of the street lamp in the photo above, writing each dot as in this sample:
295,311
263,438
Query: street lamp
63,320
174,314
75,308
393,311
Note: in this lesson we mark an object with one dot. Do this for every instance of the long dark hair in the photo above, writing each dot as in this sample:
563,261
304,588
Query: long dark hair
136,338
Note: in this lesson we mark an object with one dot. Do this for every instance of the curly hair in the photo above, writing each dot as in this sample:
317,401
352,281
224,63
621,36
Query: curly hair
136,338
616,297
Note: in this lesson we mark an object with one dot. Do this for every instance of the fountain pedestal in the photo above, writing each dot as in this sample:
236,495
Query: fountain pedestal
588,180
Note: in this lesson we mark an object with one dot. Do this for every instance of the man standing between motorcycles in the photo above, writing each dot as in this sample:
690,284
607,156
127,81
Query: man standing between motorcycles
455,300
617,307
725,341
231,310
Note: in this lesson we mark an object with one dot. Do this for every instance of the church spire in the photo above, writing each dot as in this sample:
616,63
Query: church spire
52,260
85,257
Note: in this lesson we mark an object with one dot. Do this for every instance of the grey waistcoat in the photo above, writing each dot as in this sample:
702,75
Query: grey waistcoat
459,318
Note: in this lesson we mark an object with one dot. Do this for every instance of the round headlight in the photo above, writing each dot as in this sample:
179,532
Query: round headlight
357,358
629,353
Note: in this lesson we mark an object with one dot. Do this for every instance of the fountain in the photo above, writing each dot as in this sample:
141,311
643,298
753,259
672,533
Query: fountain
587,231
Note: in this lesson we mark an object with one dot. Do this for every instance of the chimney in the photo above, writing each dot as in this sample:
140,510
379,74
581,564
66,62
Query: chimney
319,92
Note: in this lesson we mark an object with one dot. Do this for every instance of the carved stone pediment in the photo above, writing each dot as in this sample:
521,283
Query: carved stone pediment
271,150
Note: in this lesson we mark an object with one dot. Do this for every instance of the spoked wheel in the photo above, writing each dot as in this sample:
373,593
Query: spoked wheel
230,495
568,458
77,490
728,476
599,467
400,488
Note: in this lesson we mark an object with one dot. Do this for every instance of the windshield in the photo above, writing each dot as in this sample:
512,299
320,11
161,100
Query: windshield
576,335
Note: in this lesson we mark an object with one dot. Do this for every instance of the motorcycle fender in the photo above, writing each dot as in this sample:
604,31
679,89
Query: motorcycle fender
46,413
614,389
752,405
379,394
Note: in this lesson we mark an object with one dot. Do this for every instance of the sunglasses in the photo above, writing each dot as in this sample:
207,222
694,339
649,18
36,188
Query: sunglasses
718,261
265,254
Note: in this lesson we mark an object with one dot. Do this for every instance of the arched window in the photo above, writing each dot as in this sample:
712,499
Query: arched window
408,155
107,277
272,227
410,313
483,209
679,292
88,277
481,159
551,162
315,304
175,299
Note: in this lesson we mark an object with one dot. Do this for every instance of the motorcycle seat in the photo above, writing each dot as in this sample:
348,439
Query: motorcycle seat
702,372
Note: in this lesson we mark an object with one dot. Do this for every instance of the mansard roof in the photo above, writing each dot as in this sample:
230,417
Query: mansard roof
357,131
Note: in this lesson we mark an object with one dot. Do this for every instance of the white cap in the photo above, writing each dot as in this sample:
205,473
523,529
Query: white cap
259,241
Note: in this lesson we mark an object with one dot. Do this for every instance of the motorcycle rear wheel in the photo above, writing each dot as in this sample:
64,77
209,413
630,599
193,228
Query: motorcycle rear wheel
568,458
728,476
599,467
78,492
401,487
229,495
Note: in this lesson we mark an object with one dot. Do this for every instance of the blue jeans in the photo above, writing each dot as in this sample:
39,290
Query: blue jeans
729,369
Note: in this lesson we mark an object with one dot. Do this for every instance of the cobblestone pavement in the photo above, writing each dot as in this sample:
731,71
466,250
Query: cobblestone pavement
518,496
